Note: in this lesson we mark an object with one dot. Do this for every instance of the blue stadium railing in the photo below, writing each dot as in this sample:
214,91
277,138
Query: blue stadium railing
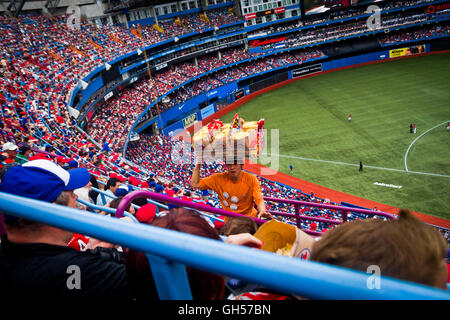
170,250
159,205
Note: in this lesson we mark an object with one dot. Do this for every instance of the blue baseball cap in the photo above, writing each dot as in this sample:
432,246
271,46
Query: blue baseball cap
122,191
42,180
73,163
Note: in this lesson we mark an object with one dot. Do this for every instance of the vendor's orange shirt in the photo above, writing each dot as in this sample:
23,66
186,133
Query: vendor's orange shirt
239,196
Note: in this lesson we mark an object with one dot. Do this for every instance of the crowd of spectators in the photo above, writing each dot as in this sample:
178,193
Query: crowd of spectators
35,85
359,11
111,124
190,23
41,62
333,15
231,74
161,154
423,33
330,32
308,36
135,99
48,49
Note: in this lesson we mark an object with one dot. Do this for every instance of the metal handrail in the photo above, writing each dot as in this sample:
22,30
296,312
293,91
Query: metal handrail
182,203
303,278
201,207
158,206
332,207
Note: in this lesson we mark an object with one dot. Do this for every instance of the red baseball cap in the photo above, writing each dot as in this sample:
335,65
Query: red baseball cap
146,213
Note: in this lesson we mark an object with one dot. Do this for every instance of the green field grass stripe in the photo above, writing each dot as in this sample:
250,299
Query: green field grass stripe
415,140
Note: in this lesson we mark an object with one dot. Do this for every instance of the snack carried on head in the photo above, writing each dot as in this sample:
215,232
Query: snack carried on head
221,137
235,122
250,125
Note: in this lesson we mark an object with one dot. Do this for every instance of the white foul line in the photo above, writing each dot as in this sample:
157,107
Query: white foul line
407,151
357,165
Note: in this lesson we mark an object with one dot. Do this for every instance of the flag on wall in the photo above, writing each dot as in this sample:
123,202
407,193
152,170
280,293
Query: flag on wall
137,32
114,38
95,44
70,47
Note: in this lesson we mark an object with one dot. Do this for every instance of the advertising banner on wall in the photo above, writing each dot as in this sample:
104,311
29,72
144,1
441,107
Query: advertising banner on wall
190,120
108,95
238,94
264,13
406,51
263,42
432,8
207,111
306,70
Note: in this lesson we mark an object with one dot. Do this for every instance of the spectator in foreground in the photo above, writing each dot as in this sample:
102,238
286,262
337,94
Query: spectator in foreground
239,225
406,249
83,194
35,260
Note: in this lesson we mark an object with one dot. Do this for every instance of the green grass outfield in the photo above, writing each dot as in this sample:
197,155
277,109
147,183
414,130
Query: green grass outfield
383,99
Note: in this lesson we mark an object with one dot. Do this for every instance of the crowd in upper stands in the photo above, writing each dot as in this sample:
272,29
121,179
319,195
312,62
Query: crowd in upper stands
423,33
189,23
359,11
329,32
113,111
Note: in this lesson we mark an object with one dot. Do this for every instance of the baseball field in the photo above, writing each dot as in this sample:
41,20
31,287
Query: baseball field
308,128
